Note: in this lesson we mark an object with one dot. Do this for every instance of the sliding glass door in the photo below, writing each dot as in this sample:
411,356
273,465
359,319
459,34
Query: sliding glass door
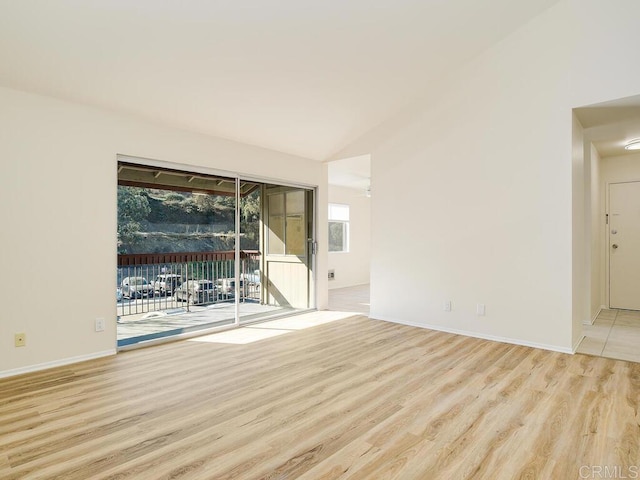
198,252
288,246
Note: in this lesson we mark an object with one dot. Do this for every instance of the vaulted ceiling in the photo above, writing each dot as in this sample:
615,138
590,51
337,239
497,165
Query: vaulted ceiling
299,76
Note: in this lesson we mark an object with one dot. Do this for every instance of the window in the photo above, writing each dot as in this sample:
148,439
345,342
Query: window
338,228
287,234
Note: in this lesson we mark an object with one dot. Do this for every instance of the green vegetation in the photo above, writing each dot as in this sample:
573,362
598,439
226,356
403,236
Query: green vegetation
133,208
336,237
163,221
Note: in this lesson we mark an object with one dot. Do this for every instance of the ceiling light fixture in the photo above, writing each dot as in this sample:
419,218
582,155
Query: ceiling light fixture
633,144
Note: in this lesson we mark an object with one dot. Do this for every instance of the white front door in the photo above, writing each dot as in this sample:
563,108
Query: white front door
624,245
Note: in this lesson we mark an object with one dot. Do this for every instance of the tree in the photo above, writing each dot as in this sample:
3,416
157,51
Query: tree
250,207
133,208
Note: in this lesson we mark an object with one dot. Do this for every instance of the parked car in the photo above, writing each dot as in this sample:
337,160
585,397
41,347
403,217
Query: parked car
253,279
196,292
136,287
166,283
226,288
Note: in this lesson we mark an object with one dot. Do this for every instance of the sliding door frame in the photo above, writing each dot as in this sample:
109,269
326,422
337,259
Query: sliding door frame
311,190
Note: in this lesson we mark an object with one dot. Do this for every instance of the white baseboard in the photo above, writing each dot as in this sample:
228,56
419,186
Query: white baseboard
593,319
575,347
56,363
482,336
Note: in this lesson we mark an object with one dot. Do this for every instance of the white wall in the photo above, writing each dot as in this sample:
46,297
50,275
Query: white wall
58,212
492,201
353,268
477,205
597,223
581,234
624,168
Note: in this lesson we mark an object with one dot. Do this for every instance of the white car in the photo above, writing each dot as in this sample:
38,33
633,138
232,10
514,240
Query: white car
226,288
166,283
136,287
196,291
253,279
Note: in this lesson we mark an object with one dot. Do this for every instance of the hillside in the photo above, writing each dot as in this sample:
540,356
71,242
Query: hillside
162,221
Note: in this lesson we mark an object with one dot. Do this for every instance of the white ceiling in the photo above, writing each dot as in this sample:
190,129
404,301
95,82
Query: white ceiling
299,76
609,126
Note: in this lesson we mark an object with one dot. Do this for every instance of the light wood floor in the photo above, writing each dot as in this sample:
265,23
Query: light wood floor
348,398
350,299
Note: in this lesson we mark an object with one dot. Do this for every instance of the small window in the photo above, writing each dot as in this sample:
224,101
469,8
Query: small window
338,228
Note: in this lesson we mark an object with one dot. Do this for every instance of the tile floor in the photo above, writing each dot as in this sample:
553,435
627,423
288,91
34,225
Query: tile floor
614,334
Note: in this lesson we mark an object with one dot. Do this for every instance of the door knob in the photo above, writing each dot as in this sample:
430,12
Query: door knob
614,246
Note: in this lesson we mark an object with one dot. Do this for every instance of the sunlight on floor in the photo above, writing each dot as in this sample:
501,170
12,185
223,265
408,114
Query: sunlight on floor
273,328
240,336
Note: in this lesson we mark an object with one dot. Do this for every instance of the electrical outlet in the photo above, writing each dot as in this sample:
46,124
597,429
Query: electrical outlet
480,310
99,324
332,274
446,306
20,339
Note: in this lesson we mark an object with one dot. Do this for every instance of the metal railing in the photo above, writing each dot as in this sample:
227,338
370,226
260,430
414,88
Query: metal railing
157,282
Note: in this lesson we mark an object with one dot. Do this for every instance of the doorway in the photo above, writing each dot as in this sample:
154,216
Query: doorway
609,169
289,246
